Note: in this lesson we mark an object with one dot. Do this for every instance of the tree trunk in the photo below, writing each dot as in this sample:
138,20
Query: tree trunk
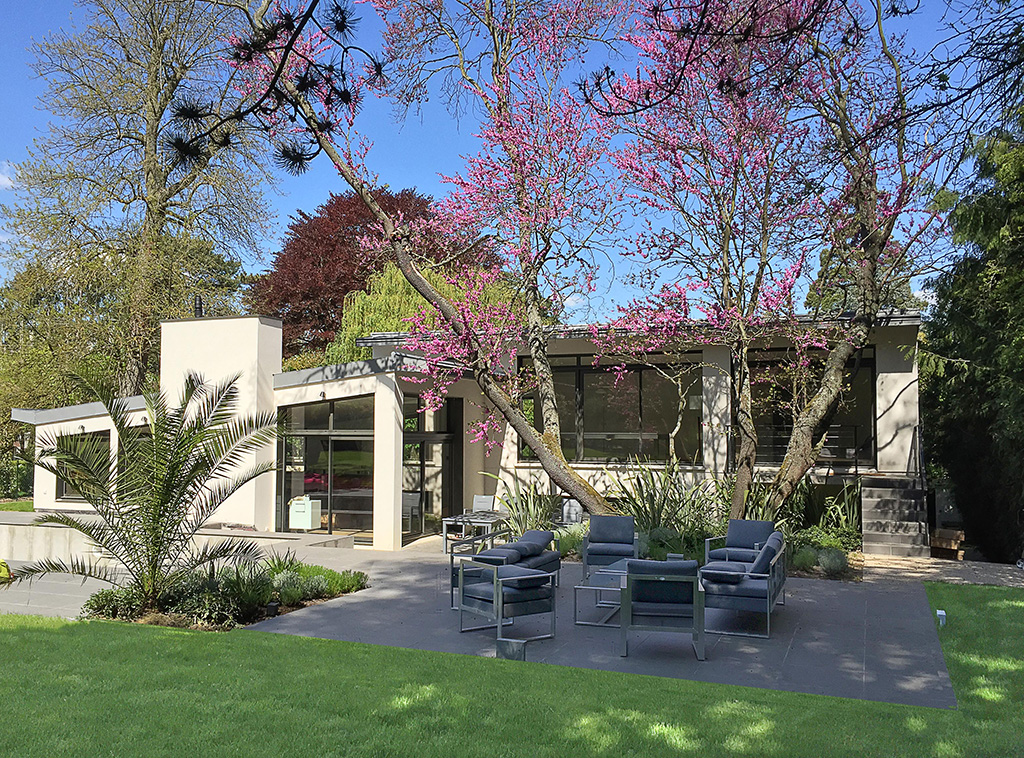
747,453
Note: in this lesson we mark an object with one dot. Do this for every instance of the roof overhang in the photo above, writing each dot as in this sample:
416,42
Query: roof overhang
71,412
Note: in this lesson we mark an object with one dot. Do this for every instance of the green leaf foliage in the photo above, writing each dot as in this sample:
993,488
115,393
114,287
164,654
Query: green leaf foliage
973,383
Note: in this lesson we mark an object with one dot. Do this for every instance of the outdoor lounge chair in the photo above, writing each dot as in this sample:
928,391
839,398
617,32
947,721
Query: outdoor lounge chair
610,539
502,593
754,587
663,596
743,541
528,551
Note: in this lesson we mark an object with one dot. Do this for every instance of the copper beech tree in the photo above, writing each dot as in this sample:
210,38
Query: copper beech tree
321,262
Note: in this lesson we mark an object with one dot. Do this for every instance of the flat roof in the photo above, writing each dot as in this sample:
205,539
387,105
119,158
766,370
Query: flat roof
585,331
37,417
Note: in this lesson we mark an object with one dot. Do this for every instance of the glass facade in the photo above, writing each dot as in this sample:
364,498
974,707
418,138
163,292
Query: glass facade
326,467
326,459
609,418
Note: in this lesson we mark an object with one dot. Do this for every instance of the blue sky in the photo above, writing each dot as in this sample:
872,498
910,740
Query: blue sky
411,154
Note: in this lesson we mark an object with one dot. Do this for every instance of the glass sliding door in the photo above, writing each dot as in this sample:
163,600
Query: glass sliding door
351,486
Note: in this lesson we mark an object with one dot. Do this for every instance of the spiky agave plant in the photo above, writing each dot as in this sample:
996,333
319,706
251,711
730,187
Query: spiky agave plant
169,476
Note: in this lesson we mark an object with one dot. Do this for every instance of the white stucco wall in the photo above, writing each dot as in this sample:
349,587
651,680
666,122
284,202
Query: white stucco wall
218,348
896,399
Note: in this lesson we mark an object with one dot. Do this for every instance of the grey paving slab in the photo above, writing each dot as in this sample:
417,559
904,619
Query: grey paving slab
868,641
53,595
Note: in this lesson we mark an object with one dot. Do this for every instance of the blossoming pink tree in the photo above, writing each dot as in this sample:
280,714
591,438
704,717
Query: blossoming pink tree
535,190
766,131
720,166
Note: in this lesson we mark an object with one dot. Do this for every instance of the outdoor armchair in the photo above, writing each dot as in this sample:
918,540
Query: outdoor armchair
502,593
610,539
742,541
663,596
754,587
527,551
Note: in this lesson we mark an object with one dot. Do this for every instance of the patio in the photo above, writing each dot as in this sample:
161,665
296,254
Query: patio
874,640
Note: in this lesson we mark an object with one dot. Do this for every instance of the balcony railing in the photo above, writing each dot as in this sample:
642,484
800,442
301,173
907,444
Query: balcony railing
844,444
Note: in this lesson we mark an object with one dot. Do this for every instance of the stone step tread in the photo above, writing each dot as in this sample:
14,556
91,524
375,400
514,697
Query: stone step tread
905,551
871,493
895,514
879,538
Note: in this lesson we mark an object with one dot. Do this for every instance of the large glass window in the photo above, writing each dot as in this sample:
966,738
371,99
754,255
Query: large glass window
96,447
777,390
608,418
327,467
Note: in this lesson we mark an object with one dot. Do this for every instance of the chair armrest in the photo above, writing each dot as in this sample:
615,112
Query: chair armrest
479,538
707,546
636,544
675,557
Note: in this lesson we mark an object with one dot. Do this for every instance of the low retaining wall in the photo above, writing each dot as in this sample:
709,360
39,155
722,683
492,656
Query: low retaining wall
35,542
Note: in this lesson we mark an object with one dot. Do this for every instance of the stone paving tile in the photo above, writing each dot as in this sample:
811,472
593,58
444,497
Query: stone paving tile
874,640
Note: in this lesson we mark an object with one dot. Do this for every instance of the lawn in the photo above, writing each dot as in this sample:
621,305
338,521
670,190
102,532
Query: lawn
16,505
95,688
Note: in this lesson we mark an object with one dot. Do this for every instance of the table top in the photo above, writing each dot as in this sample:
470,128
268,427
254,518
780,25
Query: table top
481,517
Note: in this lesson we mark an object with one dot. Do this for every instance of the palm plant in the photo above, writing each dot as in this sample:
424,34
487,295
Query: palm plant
169,476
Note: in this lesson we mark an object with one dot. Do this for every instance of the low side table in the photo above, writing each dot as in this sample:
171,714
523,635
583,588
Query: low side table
606,583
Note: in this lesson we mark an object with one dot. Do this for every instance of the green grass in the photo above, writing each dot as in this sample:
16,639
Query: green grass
109,689
17,505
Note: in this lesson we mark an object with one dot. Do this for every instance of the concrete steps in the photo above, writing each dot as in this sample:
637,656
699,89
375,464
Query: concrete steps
894,518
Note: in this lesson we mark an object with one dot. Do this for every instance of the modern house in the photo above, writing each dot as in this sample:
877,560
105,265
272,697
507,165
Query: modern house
360,455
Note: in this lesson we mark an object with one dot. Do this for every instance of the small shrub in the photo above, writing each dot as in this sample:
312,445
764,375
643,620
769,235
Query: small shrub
314,587
846,539
288,585
570,539
805,559
210,608
338,583
116,603
277,563
249,586
833,561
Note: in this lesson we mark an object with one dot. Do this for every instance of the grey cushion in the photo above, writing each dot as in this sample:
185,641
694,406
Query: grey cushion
743,533
523,585
525,549
497,556
610,548
541,537
549,560
776,540
764,560
612,529
724,571
739,554
522,578
756,588
655,591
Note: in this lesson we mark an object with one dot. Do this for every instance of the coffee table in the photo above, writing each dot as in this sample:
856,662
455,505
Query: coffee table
606,583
